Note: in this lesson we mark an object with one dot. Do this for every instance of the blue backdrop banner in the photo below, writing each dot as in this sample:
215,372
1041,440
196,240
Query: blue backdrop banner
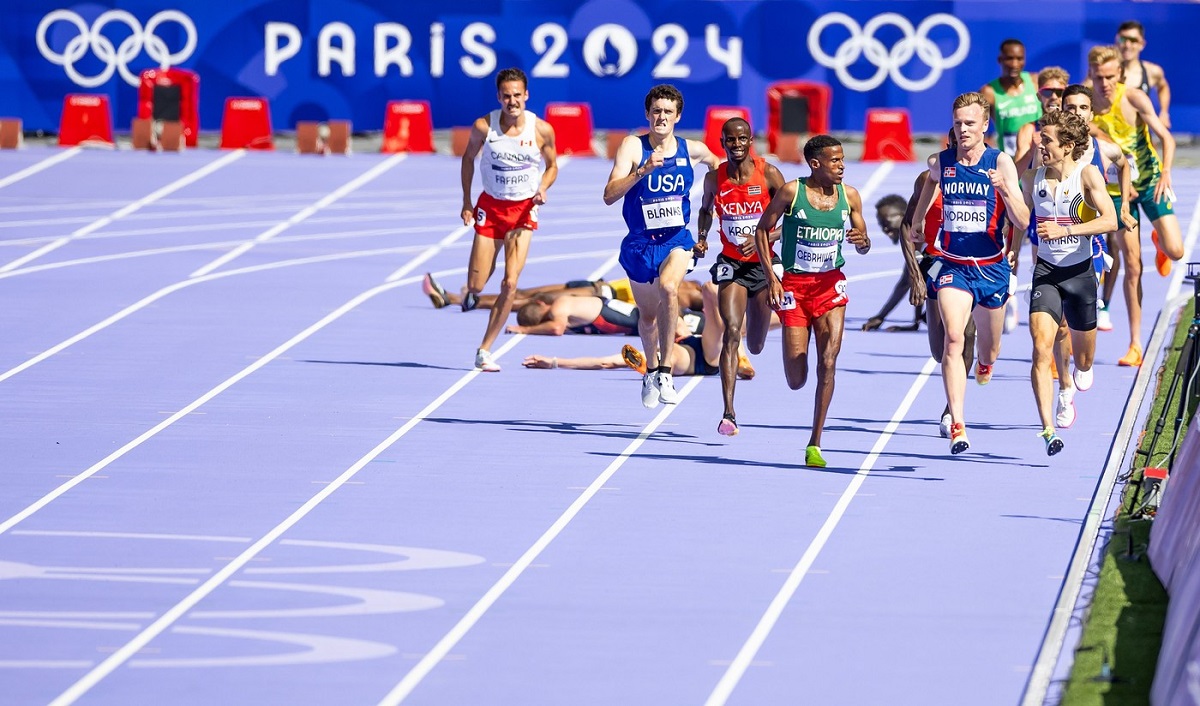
346,58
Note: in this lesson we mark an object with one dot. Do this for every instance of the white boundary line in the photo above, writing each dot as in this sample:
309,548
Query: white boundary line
435,655
128,209
35,168
248,370
758,636
304,213
176,612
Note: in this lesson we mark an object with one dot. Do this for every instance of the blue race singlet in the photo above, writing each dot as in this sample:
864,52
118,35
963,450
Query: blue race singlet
657,206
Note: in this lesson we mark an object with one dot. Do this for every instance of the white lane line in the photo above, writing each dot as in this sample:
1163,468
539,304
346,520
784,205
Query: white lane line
180,609
248,370
40,166
128,209
759,635
439,651
306,212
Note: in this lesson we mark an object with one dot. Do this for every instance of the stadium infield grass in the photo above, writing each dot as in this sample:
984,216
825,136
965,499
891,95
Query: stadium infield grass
1122,634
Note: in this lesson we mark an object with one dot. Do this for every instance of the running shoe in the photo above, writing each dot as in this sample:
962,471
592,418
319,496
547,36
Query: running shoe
1133,358
983,373
728,426
650,390
483,361
633,358
958,438
1103,320
1064,414
745,370
1083,379
437,295
470,300
813,457
1161,262
1054,443
666,389
944,425
1010,316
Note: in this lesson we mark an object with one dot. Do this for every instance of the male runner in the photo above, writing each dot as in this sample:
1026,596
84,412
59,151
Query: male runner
980,190
512,143
1131,40
654,174
1126,115
1052,81
818,212
739,190
1070,204
1012,98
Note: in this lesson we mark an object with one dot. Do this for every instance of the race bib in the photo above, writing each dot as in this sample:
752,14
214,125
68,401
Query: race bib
739,229
663,213
723,272
788,303
964,217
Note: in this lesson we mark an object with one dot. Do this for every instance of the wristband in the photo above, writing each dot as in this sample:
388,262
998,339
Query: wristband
554,363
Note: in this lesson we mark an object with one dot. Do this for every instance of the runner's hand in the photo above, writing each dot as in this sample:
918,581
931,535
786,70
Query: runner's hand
537,361
775,294
701,248
468,216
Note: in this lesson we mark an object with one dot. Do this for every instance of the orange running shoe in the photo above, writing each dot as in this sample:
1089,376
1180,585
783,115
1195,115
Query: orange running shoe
745,370
1133,358
1161,262
958,438
983,373
633,358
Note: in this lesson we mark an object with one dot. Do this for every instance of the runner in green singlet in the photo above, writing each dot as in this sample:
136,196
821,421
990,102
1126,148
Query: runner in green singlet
1013,96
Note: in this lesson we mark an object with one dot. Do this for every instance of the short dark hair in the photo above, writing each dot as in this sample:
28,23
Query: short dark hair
813,147
1011,41
892,200
1132,24
737,120
511,74
530,314
1077,89
665,90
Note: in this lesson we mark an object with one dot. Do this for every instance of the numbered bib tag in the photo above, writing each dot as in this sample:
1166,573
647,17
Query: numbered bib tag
663,213
739,229
723,272
789,301
965,217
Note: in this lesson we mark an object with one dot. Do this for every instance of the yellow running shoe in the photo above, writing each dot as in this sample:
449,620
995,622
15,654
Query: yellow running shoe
745,370
813,458
1133,358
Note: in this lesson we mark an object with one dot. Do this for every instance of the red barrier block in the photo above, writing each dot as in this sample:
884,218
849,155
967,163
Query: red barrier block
572,123
172,138
247,124
715,118
888,136
171,94
11,135
338,140
797,107
408,127
85,118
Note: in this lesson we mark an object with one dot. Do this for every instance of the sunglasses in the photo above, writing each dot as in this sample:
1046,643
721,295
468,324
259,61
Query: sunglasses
1128,40
1047,92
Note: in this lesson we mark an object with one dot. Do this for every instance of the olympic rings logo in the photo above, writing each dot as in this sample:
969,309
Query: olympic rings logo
862,43
117,58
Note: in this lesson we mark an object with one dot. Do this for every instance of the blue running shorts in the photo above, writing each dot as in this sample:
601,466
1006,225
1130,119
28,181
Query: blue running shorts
642,256
987,284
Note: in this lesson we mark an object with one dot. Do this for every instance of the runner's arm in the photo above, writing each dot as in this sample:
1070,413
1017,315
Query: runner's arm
478,134
1141,103
762,237
1004,179
857,236
928,192
1113,154
626,170
549,156
704,219
1159,81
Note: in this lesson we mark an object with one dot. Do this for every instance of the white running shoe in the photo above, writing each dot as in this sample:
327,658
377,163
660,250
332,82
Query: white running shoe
944,425
1064,416
666,389
1103,320
650,390
1010,316
483,361
1083,379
